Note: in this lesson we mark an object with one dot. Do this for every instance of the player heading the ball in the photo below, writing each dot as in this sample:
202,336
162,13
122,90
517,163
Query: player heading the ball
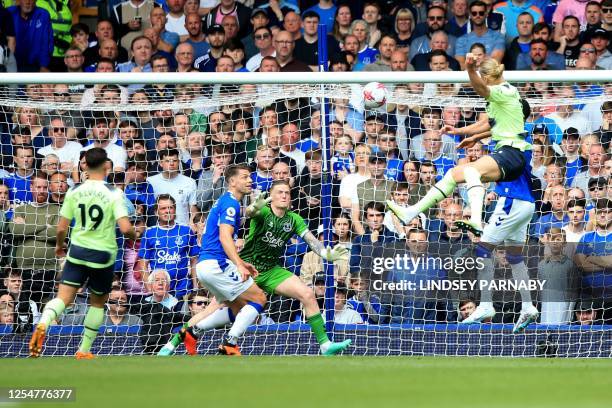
95,207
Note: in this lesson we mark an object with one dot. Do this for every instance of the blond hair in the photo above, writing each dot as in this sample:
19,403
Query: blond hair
491,68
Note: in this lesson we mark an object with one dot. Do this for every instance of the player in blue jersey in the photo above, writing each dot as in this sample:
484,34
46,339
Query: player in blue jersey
505,163
221,270
507,228
169,246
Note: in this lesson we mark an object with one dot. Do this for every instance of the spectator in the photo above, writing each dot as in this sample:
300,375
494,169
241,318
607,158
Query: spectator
555,268
359,30
176,18
567,8
512,10
601,41
263,43
375,189
491,39
344,314
569,41
585,314
19,181
438,41
73,119
307,47
184,55
557,218
466,308
436,20
230,7
595,167
58,187
216,40
7,35
196,38
604,133
576,226
104,32
593,16
73,60
342,22
404,27
7,316
197,301
264,160
593,252
288,150
458,23
34,231
142,50
171,247
432,145
431,119
375,231
284,46
566,115
293,25
573,162
131,17
167,40
348,186
386,48
117,310
67,150
522,42
259,18
230,25
26,312
34,36
100,133
606,11
180,187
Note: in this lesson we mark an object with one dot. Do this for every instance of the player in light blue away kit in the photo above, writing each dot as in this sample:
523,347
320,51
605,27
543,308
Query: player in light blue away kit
221,269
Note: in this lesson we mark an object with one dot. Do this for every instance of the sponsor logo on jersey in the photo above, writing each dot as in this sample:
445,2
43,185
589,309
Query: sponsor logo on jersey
270,239
168,258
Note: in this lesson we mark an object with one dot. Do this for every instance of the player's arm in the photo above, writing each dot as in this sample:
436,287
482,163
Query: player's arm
126,228
61,232
480,126
329,254
256,206
475,80
469,141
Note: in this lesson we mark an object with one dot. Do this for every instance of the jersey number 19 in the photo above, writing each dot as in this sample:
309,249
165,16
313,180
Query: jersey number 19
95,215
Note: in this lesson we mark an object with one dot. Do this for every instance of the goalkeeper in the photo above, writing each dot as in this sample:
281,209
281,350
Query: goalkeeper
270,229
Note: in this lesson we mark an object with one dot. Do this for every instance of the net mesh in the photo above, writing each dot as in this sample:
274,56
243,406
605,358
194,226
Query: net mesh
213,126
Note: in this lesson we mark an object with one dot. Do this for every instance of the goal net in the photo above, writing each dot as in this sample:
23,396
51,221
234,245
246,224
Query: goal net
406,289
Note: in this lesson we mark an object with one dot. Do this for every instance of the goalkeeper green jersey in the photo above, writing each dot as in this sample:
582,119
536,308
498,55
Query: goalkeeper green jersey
268,235
94,207
506,112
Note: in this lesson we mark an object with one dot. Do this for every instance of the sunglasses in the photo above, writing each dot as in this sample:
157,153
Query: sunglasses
606,10
478,13
587,50
200,302
63,94
59,129
261,36
436,18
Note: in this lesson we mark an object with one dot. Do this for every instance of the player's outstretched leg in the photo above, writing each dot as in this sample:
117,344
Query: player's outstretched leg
441,190
255,299
484,311
529,313
212,317
294,288
93,320
52,311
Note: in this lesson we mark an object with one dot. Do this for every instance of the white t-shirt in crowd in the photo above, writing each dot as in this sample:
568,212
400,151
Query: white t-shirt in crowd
69,153
181,188
176,24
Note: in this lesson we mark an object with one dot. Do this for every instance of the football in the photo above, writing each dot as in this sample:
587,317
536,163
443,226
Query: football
374,95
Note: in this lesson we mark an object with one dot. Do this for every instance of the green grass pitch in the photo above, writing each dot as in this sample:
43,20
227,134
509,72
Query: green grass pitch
343,381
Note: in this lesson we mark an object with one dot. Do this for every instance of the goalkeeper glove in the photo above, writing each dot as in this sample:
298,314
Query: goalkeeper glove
337,253
260,202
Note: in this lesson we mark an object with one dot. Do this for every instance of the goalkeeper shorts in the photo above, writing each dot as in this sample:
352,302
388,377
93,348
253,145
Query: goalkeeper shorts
269,280
223,281
99,280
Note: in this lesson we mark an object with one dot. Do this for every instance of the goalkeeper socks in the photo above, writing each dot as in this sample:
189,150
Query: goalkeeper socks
176,339
441,190
244,319
218,318
93,320
318,328
52,311
475,193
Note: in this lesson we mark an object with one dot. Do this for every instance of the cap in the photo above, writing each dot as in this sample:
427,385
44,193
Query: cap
585,305
378,156
571,132
257,11
597,181
375,116
600,32
540,128
215,28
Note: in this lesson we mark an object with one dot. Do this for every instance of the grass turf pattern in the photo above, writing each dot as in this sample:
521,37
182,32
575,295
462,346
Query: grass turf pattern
344,381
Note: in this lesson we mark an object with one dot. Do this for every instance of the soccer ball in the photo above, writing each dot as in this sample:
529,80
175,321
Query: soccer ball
374,95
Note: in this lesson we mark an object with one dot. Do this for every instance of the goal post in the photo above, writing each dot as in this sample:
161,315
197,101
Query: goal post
313,130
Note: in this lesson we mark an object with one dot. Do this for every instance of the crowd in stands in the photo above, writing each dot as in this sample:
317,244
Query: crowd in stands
170,163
